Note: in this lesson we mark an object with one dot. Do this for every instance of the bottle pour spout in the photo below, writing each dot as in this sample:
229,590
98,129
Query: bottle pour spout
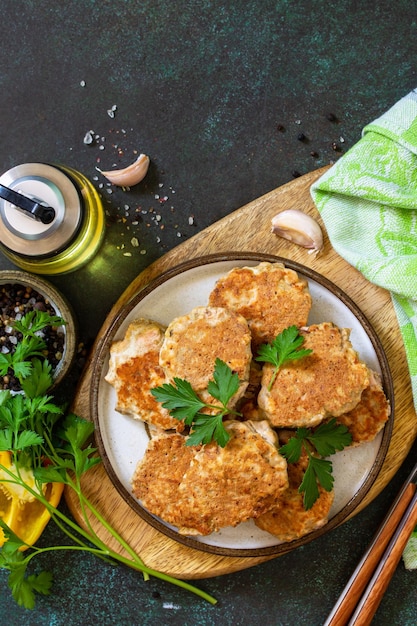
34,209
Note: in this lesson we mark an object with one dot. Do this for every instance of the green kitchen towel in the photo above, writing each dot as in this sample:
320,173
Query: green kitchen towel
410,552
368,202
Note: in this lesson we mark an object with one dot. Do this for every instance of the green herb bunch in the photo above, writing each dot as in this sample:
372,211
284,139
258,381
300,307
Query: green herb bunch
52,447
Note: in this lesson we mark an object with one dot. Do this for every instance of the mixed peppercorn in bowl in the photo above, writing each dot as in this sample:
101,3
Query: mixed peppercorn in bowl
22,293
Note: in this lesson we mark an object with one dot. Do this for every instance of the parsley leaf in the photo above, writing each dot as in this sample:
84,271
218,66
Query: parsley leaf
294,448
208,428
224,384
285,347
27,439
321,442
34,321
319,471
330,437
38,380
76,430
23,587
179,399
183,403
6,440
51,474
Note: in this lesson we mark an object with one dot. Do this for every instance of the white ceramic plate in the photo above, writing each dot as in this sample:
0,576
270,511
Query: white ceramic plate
122,441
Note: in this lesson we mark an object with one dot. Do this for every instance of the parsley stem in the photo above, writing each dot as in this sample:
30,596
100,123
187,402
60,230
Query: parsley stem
273,377
106,525
82,500
222,410
100,549
82,545
136,562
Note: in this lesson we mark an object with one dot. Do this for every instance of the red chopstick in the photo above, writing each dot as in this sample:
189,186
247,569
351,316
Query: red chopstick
362,595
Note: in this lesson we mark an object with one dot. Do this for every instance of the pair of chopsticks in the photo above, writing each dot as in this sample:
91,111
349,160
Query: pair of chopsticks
363,593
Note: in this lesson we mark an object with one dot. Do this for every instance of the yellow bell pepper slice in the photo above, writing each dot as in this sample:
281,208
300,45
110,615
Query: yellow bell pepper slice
26,517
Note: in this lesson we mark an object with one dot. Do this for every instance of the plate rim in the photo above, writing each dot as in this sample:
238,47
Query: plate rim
101,353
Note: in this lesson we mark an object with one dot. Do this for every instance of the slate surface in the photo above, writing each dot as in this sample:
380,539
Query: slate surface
217,94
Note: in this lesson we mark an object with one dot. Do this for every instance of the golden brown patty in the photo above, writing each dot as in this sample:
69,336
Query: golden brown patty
201,490
270,296
134,370
368,417
193,342
289,520
326,383
159,474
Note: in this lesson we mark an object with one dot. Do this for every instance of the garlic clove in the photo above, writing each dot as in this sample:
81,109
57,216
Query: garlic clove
131,175
299,228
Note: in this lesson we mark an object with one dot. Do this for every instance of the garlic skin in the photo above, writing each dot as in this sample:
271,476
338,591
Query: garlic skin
131,175
299,228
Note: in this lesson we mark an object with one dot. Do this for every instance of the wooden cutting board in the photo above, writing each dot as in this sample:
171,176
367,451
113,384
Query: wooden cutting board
249,229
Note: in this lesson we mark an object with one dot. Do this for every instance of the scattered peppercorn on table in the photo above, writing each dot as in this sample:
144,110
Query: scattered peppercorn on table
229,102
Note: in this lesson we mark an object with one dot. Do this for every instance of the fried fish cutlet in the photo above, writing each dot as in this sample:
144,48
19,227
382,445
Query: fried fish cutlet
219,487
289,520
270,297
326,383
134,370
158,475
193,342
371,413
227,486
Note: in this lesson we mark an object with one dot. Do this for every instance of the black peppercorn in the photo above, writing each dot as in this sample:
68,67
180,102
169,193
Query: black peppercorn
331,117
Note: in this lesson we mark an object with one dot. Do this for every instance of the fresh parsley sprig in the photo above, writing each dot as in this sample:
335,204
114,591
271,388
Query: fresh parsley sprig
285,347
49,446
183,403
34,322
32,344
322,442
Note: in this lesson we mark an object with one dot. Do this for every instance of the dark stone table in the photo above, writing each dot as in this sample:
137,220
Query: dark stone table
230,100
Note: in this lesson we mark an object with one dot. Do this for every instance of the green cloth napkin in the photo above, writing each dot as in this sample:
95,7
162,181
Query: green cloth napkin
368,202
410,552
